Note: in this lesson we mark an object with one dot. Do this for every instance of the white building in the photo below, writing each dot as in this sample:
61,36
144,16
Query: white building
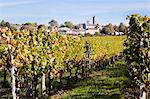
92,28
92,31
83,29
118,33
66,30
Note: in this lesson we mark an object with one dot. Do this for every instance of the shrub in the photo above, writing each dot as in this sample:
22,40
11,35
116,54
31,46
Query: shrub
87,34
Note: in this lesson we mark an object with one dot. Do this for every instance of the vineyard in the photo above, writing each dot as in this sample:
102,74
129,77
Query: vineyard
40,64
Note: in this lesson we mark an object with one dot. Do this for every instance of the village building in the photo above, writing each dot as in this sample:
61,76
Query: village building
83,29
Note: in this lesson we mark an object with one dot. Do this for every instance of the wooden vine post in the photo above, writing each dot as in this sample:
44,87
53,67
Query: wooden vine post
43,84
13,83
88,51
49,80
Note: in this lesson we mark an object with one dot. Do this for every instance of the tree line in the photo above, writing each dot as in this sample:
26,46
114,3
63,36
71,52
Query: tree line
108,29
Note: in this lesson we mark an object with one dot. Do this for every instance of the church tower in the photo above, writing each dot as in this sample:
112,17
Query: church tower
94,20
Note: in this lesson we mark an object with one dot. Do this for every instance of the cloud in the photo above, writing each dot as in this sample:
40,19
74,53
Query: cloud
15,3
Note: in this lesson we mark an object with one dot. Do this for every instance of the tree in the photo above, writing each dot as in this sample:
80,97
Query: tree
41,28
116,28
4,24
35,24
87,34
122,27
53,25
7,24
108,29
69,24
96,33
76,26
110,26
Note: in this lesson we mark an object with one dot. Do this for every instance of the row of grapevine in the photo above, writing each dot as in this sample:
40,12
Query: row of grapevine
38,60
105,46
137,54
29,54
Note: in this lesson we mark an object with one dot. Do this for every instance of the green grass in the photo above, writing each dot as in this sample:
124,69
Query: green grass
104,84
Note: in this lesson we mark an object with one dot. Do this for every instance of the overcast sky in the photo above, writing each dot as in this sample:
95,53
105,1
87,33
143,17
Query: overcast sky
77,11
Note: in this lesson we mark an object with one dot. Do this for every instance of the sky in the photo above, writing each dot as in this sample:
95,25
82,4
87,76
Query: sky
77,11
